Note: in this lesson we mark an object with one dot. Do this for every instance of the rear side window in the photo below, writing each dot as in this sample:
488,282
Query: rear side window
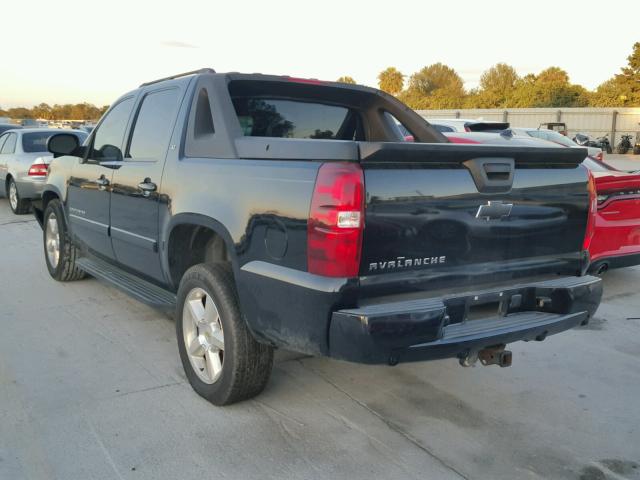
37,141
10,144
107,142
154,125
264,117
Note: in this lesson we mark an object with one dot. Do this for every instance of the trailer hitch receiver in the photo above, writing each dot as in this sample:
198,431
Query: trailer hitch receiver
495,356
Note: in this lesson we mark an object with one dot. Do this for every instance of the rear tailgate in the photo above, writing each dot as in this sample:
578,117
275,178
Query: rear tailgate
440,215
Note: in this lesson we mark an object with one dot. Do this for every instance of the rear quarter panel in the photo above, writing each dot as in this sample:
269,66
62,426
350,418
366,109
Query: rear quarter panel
261,208
617,229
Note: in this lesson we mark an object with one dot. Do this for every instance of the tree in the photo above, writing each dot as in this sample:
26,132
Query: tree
501,77
346,79
42,110
496,87
391,80
550,88
623,90
433,87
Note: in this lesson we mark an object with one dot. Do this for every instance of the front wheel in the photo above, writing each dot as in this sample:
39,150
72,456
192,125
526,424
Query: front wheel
609,149
222,360
18,205
59,252
636,150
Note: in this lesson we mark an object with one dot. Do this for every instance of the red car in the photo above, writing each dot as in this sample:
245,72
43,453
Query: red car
616,242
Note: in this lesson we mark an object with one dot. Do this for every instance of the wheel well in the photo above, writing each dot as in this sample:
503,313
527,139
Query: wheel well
46,198
190,245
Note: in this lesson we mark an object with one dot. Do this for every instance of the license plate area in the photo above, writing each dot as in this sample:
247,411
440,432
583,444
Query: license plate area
480,311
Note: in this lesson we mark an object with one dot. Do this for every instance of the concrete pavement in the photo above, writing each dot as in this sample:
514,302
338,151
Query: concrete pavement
91,387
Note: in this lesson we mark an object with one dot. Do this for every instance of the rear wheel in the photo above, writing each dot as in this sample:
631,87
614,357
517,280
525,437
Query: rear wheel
221,359
18,205
59,253
622,149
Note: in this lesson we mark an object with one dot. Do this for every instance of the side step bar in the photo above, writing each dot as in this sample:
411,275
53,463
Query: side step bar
136,287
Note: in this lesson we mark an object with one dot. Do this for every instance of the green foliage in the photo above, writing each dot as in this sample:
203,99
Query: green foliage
346,79
497,85
438,86
435,86
78,111
550,88
623,89
391,80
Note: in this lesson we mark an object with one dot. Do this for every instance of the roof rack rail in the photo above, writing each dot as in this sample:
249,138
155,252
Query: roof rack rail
192,72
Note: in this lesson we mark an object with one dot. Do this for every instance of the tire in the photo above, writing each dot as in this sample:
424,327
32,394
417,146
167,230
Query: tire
622,149
63,268
609,149
227,364
18,205
636,150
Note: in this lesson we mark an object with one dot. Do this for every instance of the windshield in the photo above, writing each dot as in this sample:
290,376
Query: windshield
37,141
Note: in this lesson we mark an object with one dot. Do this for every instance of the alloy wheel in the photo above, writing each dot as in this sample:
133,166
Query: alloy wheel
52,240
203,335
13,195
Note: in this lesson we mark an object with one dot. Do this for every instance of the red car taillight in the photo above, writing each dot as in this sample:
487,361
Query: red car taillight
336,221
600,156
593,209
38,170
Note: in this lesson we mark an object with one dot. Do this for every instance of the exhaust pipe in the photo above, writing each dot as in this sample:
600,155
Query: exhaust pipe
602,268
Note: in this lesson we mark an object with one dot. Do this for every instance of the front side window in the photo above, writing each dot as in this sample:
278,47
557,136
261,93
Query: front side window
10,144
107,142
264,117
154,124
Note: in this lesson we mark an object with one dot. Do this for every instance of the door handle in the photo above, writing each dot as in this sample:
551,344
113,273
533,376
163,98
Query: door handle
147,186
102,182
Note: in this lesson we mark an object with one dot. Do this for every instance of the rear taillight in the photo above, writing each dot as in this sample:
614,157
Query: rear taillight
38,170
600,156
593,209
336,221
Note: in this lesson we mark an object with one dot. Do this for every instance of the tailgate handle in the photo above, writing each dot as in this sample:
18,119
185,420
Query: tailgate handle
497,171
492,175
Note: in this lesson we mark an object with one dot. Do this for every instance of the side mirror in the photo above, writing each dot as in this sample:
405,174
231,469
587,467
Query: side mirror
63,144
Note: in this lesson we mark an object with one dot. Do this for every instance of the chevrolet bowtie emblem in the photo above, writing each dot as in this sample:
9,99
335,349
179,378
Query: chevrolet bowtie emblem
494,210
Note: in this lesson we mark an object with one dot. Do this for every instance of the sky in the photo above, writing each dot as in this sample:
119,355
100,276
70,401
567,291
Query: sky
70,51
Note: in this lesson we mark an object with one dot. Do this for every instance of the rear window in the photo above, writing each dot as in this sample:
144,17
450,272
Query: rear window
265,117
37,141
489,127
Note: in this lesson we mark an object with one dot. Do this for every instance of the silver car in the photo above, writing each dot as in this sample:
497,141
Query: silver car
24,160
556,137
